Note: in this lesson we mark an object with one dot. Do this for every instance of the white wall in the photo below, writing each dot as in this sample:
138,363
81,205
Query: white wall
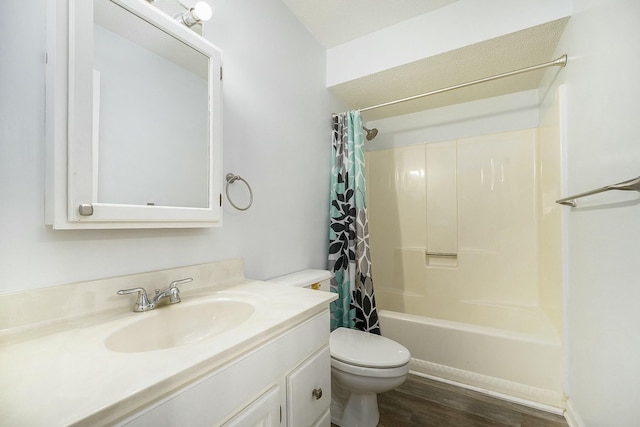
602,147
457,25
277,132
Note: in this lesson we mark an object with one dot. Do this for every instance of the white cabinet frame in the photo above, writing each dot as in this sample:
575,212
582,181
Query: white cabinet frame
70,160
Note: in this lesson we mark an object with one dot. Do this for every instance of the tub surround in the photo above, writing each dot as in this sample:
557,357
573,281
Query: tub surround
57,370
465,237
479,203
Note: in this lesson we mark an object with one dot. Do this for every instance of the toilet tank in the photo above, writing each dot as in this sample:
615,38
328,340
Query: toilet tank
312,279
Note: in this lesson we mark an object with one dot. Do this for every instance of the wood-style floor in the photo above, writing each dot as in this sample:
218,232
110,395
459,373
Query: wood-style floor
421,402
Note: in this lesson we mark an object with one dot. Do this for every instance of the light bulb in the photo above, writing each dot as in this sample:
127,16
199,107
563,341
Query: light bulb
202,11
195,15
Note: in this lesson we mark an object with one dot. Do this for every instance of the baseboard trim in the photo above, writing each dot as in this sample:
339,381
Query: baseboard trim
572,417
544,400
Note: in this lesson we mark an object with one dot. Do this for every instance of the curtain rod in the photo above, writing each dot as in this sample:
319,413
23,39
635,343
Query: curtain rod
560,62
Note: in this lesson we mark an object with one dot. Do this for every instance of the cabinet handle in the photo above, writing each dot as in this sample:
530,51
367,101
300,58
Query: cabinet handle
317,393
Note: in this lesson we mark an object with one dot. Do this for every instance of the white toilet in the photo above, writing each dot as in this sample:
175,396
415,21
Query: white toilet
362,364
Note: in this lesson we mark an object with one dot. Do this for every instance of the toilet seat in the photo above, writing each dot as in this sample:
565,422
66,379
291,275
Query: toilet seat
353,348
363,371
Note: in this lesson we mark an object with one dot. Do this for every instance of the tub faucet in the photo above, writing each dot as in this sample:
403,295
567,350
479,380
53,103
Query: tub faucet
144,304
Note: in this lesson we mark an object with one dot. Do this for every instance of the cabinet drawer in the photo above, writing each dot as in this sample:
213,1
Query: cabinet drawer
309,389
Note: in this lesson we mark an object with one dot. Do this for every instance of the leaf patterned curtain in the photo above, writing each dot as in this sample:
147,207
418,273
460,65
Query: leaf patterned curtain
349,258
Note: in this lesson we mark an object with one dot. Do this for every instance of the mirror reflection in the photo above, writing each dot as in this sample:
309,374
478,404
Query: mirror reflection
151,114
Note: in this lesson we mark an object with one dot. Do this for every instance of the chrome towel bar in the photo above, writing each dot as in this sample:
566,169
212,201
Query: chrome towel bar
630,185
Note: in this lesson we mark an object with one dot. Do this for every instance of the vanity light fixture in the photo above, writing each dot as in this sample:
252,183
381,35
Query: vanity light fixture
195,15
201,11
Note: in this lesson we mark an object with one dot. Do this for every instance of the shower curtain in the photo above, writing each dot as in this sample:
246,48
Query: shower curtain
349,258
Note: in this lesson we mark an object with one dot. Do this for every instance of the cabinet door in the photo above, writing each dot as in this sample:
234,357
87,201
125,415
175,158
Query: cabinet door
263,412
324,420
118,152
309,390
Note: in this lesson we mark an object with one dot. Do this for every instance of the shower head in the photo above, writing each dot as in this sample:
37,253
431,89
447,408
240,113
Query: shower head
371,133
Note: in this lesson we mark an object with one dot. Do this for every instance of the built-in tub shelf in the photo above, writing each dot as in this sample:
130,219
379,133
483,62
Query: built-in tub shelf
630,185
441,259
442,254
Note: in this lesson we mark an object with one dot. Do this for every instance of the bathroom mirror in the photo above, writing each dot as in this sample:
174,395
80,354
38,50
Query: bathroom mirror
140,95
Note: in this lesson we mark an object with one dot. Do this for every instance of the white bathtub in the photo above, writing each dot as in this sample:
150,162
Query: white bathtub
521,366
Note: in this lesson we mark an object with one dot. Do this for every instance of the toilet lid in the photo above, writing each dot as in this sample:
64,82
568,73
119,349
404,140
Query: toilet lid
365,349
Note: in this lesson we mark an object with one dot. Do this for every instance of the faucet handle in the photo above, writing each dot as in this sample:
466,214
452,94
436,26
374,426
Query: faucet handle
180,282
174,292
142,303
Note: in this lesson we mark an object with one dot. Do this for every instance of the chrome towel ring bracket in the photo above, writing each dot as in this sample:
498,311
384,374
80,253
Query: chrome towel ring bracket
231,178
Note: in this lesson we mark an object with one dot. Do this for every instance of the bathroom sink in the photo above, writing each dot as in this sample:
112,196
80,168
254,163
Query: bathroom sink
179,324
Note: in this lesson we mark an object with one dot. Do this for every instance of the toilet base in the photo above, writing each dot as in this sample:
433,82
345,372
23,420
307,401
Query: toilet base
353,409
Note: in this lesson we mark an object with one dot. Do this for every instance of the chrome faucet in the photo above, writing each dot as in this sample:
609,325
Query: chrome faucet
144,304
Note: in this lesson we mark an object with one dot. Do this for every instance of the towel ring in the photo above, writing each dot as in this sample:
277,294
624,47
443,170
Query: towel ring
231,178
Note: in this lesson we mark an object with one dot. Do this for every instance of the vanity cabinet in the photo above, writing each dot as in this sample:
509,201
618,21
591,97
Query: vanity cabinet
263,412
284,382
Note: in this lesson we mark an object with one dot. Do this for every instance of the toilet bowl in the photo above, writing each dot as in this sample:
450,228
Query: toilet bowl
362,364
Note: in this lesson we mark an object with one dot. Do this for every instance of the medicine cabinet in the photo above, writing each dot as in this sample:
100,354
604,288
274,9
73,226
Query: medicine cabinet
134,137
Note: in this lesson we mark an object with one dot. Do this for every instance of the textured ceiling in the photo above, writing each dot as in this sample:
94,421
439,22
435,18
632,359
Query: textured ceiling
513,51
333,22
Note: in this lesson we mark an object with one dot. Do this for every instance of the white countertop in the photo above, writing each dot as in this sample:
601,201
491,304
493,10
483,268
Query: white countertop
71,377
